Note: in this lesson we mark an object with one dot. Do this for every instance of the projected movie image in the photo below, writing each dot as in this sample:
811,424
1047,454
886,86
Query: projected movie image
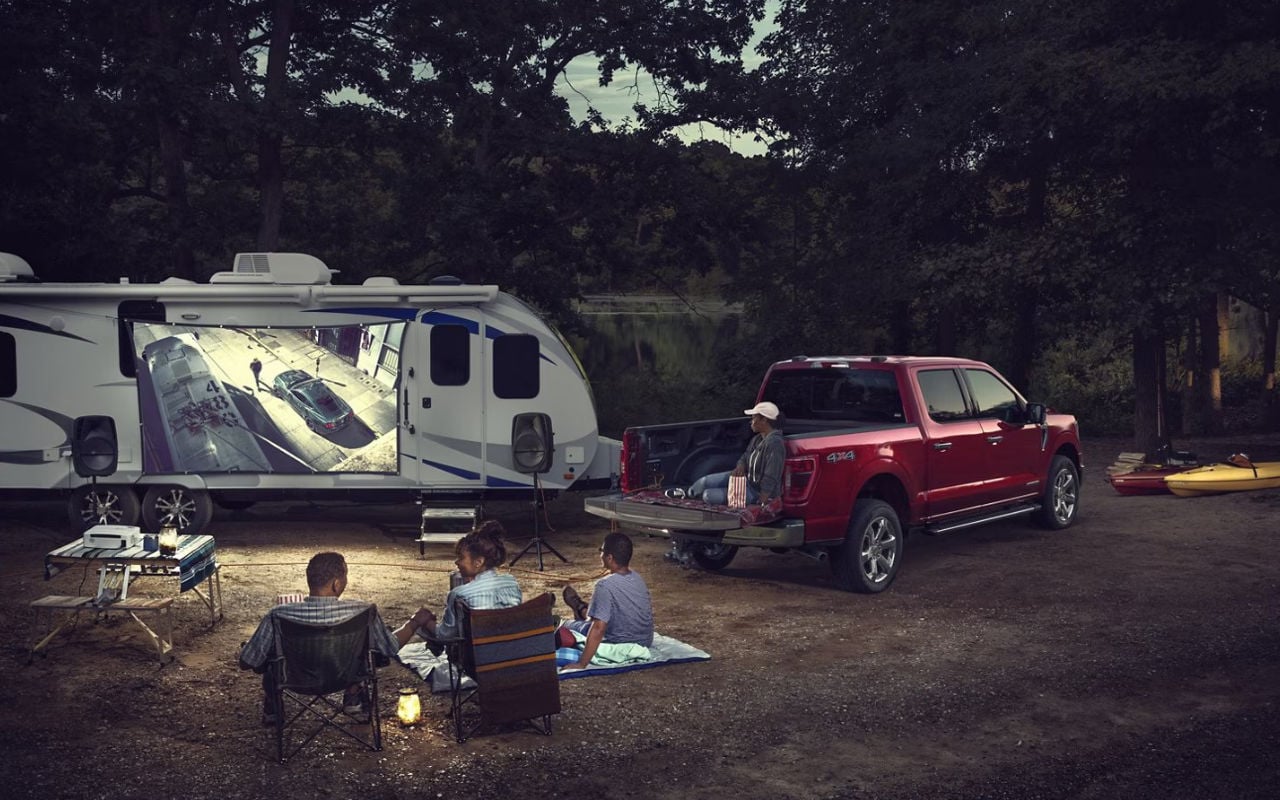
272,400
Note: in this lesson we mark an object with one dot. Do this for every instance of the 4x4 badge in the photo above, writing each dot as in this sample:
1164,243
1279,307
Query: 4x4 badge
847,455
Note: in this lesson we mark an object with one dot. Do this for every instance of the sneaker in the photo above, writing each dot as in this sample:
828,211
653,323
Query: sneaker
676,494
574,601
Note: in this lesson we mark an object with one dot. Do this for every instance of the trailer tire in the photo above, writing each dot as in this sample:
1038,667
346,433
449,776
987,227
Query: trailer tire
102,504
187,509
868,560
713,557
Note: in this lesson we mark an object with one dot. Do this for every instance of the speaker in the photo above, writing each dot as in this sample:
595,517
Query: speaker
93,446
532,442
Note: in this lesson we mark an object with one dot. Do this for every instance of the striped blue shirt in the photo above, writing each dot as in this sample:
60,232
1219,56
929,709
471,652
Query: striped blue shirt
315,611
486,590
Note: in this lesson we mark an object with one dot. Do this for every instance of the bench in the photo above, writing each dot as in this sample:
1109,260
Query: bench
159,608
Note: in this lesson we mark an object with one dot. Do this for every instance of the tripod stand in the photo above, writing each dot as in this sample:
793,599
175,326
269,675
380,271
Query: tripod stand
537,541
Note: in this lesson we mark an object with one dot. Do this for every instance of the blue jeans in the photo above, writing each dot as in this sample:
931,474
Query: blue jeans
714,489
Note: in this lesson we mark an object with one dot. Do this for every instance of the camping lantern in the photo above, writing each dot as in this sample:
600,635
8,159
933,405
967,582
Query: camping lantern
168,540
409,708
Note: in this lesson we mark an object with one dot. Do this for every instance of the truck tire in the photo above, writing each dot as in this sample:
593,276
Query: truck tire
102,504
1061,500
189,510
868,560
713,557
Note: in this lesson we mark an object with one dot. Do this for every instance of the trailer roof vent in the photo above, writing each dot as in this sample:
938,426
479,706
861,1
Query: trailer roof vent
15,269
446,280
278,268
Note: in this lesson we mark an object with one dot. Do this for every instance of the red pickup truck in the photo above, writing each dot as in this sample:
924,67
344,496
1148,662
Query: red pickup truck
876,446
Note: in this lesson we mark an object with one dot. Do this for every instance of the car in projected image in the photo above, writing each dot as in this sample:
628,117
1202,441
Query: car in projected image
314,401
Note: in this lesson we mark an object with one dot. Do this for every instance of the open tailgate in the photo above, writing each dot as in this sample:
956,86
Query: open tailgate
651,509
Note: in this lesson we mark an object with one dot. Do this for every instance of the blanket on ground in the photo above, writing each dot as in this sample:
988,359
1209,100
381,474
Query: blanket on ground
665,650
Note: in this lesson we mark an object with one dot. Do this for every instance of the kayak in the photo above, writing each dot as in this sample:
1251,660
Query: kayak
1219,478
1150,480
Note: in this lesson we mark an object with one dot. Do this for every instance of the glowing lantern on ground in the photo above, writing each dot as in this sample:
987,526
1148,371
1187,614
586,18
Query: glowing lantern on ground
409,708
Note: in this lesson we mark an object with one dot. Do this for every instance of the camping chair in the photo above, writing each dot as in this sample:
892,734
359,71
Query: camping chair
313,662
510,653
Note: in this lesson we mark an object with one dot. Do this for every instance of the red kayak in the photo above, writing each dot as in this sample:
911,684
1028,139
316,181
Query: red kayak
1144,481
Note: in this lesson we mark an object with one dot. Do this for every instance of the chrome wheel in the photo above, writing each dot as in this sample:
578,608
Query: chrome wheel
102,505
869,559
879,550
188,510
1061,499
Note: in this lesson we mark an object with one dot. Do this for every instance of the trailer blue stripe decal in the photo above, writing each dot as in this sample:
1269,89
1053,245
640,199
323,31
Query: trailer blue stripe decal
506,484
21,324
461,473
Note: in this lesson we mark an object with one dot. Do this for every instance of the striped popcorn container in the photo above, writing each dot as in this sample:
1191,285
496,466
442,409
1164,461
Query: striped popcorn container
737,491
290,597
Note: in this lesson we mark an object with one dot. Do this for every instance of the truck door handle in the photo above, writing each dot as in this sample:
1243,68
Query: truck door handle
942,447
995,439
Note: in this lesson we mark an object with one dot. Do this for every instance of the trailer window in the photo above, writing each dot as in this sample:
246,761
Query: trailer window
515,366
450,355
8,365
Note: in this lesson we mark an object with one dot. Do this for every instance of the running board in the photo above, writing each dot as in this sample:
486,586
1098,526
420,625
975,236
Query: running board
969,522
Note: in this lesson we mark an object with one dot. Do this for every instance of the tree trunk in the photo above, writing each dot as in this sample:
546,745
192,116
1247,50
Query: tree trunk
1271,329
1189,390
270,125
1209,396
169,38
1149,433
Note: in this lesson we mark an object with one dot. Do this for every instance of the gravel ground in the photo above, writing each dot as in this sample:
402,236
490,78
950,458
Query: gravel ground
1136,654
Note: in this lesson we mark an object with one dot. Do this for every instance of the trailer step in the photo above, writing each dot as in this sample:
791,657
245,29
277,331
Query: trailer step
446,525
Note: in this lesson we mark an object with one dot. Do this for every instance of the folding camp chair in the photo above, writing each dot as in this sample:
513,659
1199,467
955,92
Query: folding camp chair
510,653
314,662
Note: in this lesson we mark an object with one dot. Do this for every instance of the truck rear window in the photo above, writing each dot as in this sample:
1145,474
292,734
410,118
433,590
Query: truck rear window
853,395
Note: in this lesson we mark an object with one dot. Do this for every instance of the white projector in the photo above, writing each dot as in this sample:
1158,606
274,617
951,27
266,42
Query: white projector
113,537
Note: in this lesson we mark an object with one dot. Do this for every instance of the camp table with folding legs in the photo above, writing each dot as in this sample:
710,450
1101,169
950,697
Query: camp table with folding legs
194,563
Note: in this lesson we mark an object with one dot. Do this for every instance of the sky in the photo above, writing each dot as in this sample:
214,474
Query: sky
580,86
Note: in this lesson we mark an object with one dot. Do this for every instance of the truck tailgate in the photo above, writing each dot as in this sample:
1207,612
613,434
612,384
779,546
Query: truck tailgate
650,509
643,510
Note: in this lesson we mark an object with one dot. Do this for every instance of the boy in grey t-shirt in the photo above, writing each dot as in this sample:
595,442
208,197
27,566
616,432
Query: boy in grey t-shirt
620,610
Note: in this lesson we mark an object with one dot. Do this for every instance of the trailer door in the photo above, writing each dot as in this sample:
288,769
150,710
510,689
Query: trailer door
442,422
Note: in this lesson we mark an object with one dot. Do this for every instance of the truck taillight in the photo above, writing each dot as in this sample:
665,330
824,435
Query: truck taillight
631,468
797,482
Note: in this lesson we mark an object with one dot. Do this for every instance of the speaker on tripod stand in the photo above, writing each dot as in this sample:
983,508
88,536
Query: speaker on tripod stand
532,448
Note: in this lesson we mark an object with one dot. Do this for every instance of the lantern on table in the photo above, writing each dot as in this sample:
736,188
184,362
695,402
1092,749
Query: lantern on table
168,540
409,707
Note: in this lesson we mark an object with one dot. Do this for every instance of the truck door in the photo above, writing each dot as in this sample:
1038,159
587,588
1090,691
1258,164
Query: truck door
1015,465
442,422
956,459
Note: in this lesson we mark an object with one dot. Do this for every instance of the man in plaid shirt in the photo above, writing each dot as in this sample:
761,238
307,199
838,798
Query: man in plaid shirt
326,580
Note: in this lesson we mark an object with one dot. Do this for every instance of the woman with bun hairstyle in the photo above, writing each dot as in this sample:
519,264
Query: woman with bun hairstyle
480,552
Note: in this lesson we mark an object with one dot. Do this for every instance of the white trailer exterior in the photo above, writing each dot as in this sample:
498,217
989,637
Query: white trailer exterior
434,377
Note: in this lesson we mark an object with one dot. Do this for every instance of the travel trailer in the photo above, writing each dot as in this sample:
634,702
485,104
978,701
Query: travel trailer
147,404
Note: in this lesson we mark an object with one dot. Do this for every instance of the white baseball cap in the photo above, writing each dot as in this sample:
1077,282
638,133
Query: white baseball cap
766,409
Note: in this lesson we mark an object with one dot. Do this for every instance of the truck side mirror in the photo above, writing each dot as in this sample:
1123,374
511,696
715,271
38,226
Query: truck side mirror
1036,413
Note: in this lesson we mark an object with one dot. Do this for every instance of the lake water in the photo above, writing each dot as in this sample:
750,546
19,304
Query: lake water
653,360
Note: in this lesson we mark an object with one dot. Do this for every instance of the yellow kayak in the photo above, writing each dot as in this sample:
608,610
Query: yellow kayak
1239,476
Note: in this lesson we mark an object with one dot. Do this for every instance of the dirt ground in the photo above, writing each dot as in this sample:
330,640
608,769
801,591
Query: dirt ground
1136,654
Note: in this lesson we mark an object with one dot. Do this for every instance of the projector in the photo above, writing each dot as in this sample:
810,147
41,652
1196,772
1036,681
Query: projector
113,537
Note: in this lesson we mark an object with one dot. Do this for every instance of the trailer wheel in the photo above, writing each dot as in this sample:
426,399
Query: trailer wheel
868,560
102,504
713,557
189,510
